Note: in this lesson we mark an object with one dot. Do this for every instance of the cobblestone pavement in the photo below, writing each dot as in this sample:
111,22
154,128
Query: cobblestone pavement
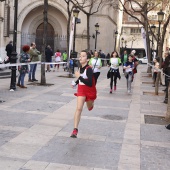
35,125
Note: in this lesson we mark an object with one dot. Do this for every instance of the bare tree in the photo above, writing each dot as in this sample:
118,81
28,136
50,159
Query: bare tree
89,7
142,8
43,79
69,11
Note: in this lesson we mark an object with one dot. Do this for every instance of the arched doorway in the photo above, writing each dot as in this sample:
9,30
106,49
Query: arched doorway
39,36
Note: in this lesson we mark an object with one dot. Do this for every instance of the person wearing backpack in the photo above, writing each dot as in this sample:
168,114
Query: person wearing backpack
128,67
23,69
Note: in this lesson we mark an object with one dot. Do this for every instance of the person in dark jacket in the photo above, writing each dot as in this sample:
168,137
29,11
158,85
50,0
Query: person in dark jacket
23,69
48,56
124,59
9,49
166,70
108,58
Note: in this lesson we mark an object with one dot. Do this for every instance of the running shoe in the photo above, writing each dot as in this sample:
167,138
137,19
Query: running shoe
91,108
74,133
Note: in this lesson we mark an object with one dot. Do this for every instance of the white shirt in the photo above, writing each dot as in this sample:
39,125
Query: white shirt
114,63
96,69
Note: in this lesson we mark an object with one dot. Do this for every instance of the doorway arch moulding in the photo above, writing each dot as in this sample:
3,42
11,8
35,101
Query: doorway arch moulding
36,4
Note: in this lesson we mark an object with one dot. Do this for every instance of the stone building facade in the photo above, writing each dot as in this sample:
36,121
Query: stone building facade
30,26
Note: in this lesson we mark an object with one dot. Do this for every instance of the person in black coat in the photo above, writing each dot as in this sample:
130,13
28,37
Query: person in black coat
166,70
9,49
48,56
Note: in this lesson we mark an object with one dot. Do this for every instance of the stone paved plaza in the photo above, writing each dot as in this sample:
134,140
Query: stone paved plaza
35,125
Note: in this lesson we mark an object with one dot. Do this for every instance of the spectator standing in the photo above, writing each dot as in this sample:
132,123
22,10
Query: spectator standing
155,70
23,69
9,49
102,56
64,56
108,58
163,63
57,59
166,70
48,56
34,53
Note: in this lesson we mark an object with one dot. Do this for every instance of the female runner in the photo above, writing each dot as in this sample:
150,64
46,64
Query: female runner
86,91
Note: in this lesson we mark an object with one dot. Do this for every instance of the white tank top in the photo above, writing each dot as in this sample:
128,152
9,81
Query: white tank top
84,75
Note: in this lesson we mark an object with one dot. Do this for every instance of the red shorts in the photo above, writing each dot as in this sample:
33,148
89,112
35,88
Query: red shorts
88,92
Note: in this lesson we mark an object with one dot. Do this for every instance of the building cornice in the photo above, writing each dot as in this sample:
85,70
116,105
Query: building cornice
132,25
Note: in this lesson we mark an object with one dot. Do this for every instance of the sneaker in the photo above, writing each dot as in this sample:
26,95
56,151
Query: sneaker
91,108
29,80
75,94
114,88
168,127
23,87
165,101
110,90
74,133
34,80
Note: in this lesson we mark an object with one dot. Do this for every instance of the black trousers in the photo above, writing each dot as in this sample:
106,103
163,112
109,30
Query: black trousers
154,76
96,76
113,75
166,92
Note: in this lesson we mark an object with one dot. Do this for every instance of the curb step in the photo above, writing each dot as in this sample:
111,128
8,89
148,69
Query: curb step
5,73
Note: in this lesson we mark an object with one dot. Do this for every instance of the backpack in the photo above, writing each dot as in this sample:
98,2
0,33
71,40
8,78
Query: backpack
71,62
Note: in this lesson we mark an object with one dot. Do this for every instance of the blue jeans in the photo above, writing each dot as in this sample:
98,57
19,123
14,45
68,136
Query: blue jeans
129,80
32,71
21,79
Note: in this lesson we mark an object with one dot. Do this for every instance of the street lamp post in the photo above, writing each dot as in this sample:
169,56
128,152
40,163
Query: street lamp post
74,53
122,40
153,29
45,25
133,39
13,57
97,31
116,33
160,19
75,14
